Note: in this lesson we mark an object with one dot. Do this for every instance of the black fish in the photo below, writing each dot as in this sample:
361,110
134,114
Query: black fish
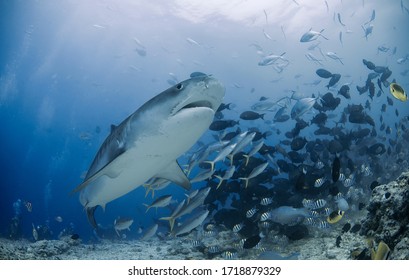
344,91
371,90
338,241
301,124
284,166
300,182
355,228
319,119
380,85
328,102
324,73
376,149
346,227
281,118
222,124
334,79
362,90
361,133
368,105
369,64
336,166
298,143
334,147
333,190
371,76
369,120
380,69
75,236
390,101
322,131
250,115
251,242
296,157
386,74
224,106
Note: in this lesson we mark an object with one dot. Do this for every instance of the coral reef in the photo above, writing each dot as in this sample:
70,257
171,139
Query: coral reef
388,216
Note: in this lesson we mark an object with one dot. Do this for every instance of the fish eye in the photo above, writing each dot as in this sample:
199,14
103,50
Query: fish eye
179,86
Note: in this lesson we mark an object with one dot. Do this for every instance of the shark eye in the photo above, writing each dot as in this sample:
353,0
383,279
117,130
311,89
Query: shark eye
179,86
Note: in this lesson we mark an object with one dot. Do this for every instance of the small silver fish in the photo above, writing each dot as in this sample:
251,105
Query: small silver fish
162,201
256,171
204,175
334,56
312,35
150,232
122,224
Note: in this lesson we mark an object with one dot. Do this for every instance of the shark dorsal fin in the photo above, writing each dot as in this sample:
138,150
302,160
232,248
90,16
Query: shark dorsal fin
113,127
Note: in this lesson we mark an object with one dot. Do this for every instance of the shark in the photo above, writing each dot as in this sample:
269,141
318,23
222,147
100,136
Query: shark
148,143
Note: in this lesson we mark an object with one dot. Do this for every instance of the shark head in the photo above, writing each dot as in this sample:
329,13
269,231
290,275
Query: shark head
147,143
195,93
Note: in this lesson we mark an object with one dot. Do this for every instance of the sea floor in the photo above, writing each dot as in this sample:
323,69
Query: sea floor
320,246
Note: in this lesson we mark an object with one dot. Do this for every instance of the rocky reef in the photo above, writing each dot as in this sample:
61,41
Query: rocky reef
388,217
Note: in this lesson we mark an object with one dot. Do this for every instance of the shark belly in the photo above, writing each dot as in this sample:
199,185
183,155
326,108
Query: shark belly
148,155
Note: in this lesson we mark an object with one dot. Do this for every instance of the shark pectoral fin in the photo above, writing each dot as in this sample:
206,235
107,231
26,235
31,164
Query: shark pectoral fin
84,184
175,174
110,173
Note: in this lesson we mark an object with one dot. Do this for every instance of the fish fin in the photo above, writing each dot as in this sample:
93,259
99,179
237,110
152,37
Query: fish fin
211,164
171,221
175,174
84,184
247,159
113,127
221,181
245,180
147,207
91,217
101,172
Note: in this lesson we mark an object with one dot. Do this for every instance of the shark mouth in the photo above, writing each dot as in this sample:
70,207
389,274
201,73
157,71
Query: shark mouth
198,104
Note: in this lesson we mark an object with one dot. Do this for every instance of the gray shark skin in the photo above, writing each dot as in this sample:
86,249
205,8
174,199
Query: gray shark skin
148,142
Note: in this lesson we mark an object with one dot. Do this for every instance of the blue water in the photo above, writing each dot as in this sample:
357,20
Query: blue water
69,69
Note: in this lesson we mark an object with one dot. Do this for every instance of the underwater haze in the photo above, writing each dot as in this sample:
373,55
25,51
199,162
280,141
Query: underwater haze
70,69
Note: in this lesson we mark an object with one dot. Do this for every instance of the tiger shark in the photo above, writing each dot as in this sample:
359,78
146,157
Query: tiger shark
147,143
